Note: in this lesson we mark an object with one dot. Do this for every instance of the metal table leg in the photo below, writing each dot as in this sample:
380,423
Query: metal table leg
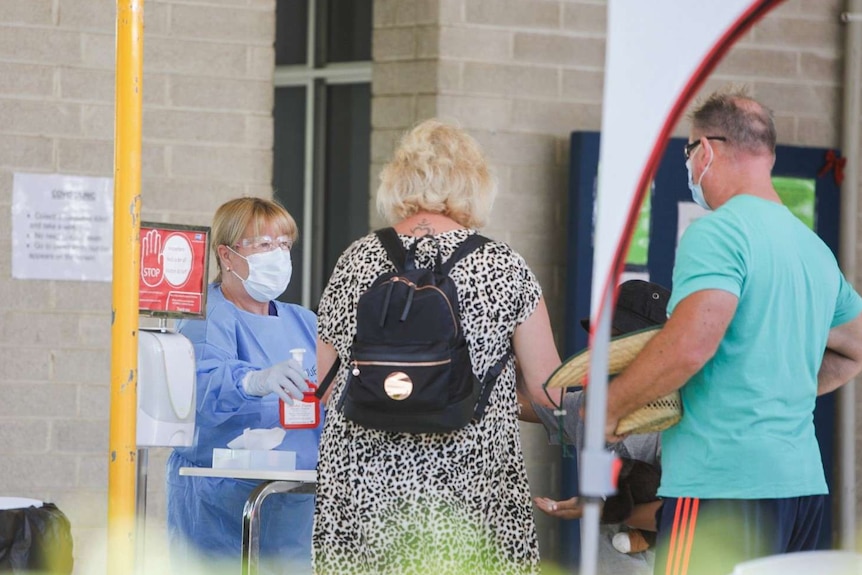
251,518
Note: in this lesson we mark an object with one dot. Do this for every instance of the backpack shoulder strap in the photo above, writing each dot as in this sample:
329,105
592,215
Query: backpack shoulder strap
468,246
327,381
394,248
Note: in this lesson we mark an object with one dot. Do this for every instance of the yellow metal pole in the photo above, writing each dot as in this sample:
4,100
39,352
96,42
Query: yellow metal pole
124,320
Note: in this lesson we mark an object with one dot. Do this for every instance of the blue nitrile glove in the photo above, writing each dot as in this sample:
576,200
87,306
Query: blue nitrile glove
285,379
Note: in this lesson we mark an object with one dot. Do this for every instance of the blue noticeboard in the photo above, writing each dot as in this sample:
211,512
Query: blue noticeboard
798,171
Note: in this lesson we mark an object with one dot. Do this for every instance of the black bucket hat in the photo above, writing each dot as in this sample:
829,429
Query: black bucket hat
640,304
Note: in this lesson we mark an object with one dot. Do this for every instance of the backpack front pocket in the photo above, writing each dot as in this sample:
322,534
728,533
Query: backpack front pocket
411,378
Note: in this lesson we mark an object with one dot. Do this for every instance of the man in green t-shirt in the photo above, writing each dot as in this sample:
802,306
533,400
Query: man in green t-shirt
761,322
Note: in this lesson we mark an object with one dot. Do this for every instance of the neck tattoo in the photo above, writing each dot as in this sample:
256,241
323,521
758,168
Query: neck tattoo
423,227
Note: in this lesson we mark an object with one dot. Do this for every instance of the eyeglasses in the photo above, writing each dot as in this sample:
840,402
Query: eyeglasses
266,243
689,148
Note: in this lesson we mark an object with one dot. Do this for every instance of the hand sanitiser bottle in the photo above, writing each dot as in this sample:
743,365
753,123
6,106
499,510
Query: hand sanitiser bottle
303,414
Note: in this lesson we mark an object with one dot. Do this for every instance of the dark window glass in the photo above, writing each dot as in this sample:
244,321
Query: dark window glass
348,35
291,33
346,198
288,171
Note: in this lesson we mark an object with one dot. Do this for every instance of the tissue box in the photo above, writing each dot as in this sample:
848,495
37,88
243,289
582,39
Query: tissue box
254,459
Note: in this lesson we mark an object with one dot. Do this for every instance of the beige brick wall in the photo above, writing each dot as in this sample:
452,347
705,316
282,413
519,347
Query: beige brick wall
523,74
207,137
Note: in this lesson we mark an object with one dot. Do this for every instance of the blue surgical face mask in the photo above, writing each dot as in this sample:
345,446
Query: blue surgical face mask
697,189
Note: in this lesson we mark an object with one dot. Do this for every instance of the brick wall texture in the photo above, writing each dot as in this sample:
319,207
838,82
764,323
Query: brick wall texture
519,74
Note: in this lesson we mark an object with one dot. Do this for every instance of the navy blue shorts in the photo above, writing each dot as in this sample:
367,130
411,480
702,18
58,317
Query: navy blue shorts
706,536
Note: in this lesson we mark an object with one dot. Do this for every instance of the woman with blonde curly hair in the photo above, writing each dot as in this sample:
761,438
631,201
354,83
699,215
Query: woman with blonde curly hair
455,502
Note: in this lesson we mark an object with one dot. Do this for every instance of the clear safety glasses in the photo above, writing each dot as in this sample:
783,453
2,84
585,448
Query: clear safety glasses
265,243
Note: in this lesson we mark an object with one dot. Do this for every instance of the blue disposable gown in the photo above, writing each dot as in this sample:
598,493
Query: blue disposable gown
205,514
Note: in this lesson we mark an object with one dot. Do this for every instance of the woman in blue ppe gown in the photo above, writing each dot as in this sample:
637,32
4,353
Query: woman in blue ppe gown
244,365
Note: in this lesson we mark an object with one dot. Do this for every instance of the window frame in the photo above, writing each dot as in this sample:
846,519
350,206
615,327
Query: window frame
315,75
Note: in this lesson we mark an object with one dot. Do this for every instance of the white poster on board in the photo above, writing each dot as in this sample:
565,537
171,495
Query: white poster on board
62,227
627,275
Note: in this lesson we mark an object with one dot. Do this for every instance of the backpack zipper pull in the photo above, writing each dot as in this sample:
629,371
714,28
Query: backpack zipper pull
386,301
409,303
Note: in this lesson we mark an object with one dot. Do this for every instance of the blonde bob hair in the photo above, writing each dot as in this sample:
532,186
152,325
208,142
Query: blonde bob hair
437,168
233,217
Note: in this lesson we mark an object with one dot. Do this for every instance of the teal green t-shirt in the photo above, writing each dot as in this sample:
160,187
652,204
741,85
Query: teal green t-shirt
747,430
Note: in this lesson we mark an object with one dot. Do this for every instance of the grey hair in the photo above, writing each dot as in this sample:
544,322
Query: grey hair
747,124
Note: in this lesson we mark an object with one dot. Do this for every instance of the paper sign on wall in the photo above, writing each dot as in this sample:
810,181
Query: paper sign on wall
62,227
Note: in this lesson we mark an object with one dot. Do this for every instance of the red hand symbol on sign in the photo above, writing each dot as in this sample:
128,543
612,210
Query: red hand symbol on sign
152,260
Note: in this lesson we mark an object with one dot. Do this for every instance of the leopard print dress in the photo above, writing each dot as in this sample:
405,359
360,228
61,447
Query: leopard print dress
399,503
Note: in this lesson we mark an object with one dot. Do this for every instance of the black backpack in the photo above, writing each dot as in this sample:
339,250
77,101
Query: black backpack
410,369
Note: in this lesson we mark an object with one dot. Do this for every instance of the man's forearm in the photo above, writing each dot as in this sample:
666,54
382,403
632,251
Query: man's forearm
835,371
682,347
842,360
658,370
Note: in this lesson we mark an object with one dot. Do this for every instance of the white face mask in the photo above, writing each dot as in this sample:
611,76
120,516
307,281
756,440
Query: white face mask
268,274
697,189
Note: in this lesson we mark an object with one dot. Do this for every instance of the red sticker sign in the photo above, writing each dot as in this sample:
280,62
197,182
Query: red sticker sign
173,270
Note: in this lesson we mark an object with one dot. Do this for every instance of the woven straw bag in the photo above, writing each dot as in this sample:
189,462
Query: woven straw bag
657,415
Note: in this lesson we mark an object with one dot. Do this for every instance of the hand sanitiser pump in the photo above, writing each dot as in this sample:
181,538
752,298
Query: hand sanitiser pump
166,389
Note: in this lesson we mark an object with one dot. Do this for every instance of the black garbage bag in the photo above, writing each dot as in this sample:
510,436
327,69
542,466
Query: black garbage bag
35,540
